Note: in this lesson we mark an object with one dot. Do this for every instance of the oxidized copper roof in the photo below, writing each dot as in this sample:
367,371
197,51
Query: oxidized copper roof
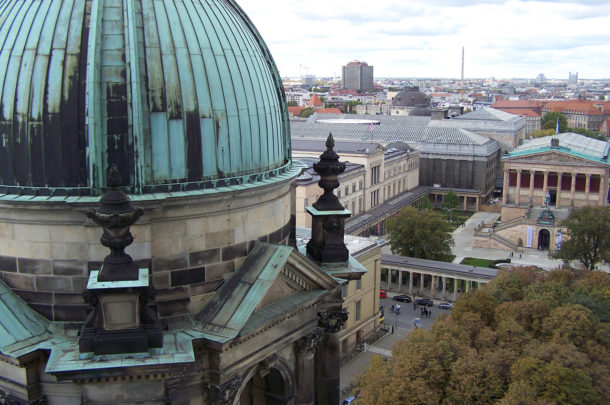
176,93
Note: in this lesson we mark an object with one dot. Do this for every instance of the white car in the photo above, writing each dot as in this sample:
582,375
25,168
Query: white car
446,305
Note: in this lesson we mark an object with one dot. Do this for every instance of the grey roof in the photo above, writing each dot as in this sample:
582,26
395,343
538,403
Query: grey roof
319,145
488,114
413,130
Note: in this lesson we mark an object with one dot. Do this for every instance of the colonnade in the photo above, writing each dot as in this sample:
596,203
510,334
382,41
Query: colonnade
529,177
440,286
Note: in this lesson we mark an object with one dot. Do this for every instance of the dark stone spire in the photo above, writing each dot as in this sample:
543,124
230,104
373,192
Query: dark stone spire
328,222
116,215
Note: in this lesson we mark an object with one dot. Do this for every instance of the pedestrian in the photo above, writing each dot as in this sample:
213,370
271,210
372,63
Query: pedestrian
519,255
392,329
414,306
392,307
429,314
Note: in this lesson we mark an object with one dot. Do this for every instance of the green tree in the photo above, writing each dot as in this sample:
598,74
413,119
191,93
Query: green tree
425,204
588,236
425,234
515,352
306,112
549,121
542,133
450,203
291,103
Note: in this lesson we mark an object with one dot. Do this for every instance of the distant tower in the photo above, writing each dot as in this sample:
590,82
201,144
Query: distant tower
357,76
462,77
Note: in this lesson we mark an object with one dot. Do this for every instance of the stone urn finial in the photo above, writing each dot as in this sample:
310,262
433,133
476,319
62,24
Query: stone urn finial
116,215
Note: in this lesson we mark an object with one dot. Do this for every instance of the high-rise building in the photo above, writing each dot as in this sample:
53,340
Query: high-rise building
541,79
357,76
573,78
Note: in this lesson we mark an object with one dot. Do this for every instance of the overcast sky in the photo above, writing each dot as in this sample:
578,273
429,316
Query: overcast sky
424,38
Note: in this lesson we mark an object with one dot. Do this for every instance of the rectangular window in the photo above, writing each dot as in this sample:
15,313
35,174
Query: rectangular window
360,204
353,206
358,284
344,291
358,311
360,185
346,190
339,193
353,187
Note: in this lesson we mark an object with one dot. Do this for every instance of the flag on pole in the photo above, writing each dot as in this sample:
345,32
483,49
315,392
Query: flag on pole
557,127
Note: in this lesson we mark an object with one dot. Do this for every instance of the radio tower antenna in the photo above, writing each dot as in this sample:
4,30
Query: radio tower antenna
462,78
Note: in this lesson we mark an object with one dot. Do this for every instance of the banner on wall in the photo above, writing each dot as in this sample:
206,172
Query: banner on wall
559,239
530,237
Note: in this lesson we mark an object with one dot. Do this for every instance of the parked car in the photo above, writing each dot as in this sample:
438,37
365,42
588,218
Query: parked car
401,298
446,305
424,301
383,294
348,400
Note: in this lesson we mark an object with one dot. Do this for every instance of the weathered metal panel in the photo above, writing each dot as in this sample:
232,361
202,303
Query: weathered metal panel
160,145
170,68
177,149
208,146
154,67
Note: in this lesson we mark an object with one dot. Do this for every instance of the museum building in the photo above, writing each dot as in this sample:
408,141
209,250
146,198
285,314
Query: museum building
161,127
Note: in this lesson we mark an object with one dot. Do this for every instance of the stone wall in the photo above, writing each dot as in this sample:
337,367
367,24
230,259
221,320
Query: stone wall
189,243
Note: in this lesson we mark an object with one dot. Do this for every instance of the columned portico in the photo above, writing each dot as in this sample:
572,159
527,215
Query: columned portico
552,166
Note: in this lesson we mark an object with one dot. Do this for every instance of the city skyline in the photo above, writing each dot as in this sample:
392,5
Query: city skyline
502,39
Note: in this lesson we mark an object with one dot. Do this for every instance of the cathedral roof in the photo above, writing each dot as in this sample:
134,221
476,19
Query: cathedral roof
178,94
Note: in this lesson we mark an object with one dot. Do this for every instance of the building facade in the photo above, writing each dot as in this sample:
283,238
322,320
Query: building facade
357,76
162,128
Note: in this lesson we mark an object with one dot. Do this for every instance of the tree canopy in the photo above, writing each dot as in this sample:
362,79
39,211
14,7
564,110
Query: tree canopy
549,121
502,344
450,203
588,236
425,234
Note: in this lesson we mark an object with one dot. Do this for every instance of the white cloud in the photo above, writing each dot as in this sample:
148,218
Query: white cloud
423,38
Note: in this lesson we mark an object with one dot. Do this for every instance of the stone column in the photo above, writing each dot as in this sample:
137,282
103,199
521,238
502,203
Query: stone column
389,279
399,280
559,177
587,187
505,187
467,285
328,357
410,282
305,349
518,192
532,176
573,188
433,287
421,283
455,288
444,286
603,192
545,186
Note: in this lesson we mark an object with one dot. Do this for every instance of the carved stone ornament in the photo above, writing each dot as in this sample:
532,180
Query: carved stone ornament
308,344
332,321
223,394
265,366
116,215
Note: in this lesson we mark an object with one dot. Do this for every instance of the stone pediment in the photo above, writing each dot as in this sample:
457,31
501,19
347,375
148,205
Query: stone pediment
270,276
552,158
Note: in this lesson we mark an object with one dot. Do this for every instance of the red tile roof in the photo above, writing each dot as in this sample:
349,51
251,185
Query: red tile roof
329,111
315,101
517,104
519,111
588,107
295,110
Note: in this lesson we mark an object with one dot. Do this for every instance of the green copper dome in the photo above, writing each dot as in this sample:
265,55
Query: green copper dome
179,94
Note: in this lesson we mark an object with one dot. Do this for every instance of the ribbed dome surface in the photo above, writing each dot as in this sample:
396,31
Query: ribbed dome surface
410,97
180,94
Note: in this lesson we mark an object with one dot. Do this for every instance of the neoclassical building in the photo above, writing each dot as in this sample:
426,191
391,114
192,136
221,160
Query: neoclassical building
543,180
147,210
571,168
